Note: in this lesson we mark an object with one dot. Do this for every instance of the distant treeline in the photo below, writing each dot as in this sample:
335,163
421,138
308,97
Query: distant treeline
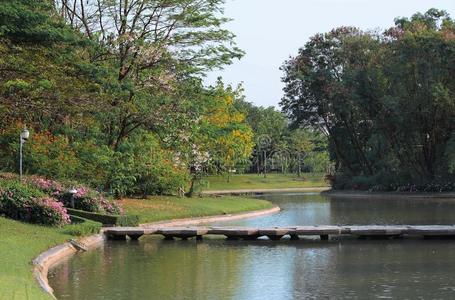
385,100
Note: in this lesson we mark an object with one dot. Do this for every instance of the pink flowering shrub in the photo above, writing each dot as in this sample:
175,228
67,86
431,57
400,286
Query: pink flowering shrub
26,203
50,187
90,200
84,199
54,211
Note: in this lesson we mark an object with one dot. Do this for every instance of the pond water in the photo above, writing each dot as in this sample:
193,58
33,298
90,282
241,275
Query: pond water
218,269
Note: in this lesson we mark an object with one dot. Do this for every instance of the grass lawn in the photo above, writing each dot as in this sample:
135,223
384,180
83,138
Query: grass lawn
20,243
163,208
272,181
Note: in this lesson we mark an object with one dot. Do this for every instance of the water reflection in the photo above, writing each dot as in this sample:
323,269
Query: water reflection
219,269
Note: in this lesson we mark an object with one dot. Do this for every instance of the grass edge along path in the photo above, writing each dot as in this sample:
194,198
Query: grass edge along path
20,242
255,181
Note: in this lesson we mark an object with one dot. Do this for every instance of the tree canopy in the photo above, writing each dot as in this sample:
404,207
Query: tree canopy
384,99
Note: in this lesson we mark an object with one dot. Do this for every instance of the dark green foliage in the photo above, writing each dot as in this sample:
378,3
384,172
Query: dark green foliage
30,21
113,220
386,101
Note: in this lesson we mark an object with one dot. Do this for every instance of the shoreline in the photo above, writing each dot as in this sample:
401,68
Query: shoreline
51,257
359,194
265,191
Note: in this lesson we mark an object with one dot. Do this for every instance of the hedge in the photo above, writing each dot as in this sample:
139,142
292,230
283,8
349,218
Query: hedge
110,220
81,226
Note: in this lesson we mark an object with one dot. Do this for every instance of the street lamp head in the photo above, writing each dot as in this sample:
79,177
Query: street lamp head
72,191
25,134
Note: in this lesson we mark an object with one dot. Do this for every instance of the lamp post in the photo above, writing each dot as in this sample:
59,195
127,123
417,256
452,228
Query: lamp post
23,137
73,192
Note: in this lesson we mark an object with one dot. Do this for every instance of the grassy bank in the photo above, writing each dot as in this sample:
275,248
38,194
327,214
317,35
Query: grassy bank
272,181
20,243
164,208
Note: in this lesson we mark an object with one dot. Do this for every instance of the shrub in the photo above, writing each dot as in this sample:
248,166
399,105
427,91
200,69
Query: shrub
50,187
81,226
142,167
25,203
91,201
84,199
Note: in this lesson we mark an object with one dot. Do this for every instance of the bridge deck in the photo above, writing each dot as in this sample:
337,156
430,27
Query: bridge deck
276,233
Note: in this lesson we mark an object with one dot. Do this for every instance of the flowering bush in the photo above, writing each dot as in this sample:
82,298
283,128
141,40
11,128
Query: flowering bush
91,201
25,203
84,199
50,187
53,211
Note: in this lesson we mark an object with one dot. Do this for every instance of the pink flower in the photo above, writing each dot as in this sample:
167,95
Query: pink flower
57,208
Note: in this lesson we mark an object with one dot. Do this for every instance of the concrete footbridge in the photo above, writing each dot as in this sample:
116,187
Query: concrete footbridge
294,233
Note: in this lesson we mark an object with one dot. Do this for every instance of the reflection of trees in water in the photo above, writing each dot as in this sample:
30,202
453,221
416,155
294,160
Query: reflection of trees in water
370,269
151,269
390,210
313,261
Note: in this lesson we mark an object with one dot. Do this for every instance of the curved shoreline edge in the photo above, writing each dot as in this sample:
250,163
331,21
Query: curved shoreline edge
57,254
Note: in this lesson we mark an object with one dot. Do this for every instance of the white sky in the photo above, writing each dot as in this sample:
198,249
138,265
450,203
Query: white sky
272,30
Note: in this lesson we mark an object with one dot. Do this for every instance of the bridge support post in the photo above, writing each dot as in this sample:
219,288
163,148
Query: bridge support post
115,237
134,237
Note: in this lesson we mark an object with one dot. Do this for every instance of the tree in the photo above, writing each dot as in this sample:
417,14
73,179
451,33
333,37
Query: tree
153,44
44,78
383,99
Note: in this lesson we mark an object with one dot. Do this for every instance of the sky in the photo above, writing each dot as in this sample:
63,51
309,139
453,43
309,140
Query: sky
270,31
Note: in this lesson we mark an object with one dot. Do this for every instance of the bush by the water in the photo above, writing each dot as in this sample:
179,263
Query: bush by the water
84,198
40,200
26,203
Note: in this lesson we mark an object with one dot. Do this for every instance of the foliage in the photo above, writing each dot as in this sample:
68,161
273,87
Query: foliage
22,202
156,44
107,106
384,100
142,167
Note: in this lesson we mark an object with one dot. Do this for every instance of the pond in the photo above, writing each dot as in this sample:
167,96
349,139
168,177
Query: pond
218,269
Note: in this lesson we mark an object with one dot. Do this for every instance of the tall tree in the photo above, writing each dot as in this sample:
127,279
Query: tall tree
385,100
152,44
